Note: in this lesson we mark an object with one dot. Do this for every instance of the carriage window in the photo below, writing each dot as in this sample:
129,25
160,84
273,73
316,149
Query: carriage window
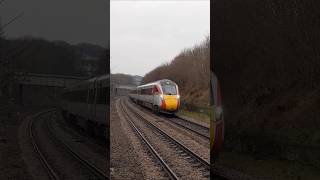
146,91
76,96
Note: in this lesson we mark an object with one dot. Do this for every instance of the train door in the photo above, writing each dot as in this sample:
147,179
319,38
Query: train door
155,94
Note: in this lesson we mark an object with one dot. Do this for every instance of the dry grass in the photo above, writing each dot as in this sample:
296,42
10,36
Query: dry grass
198,116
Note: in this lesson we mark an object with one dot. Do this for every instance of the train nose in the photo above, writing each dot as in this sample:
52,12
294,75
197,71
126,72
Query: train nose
171,102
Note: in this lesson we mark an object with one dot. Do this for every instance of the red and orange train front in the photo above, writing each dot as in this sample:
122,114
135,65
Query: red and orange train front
169,97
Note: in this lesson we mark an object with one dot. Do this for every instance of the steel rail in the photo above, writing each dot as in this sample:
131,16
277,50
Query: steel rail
84,162
45,163
168,170
181,146
204,135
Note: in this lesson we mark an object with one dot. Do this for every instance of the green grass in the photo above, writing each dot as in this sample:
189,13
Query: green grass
202,117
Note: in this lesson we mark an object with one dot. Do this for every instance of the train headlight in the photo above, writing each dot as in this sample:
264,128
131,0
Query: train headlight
218,112
161,96
178,96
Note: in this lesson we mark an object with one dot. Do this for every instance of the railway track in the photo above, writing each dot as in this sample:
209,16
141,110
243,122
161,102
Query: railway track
195,128
163,164
184,152
191,126
51,172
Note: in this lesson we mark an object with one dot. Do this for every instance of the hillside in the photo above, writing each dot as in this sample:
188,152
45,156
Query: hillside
266,55
56,57
191,71
125,79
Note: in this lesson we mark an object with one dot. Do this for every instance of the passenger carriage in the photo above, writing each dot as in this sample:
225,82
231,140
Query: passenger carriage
86,105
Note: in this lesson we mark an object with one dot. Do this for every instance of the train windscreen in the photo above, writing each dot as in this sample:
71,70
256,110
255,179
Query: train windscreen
169,88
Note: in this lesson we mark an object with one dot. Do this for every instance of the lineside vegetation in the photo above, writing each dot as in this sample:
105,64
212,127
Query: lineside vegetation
191,71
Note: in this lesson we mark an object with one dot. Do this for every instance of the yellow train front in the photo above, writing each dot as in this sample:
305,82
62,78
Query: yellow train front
217,121
160,96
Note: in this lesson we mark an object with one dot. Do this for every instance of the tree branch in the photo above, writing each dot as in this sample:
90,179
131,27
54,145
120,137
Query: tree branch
12,20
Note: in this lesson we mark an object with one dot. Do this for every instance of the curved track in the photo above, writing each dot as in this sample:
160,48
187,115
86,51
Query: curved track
182,150
99,173
53,175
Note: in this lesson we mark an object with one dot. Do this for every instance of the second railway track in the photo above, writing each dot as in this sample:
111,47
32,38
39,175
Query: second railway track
52,172
191,126
185,154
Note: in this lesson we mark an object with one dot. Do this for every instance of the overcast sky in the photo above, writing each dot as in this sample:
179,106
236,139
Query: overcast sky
146,34
74,21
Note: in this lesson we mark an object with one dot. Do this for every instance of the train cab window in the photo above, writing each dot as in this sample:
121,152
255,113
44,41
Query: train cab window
169,88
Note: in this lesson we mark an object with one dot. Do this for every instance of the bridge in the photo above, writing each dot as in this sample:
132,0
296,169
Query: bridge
48,79
41,89
122,90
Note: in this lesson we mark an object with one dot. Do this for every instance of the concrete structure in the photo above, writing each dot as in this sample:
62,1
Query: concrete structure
122,90
41,89
48,80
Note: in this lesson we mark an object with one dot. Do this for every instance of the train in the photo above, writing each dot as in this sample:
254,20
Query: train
217,120
161,96
86,105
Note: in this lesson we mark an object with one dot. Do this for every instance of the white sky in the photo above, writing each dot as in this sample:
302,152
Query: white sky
146,34
73,21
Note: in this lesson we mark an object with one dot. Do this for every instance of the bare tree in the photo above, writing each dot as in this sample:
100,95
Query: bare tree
191,70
